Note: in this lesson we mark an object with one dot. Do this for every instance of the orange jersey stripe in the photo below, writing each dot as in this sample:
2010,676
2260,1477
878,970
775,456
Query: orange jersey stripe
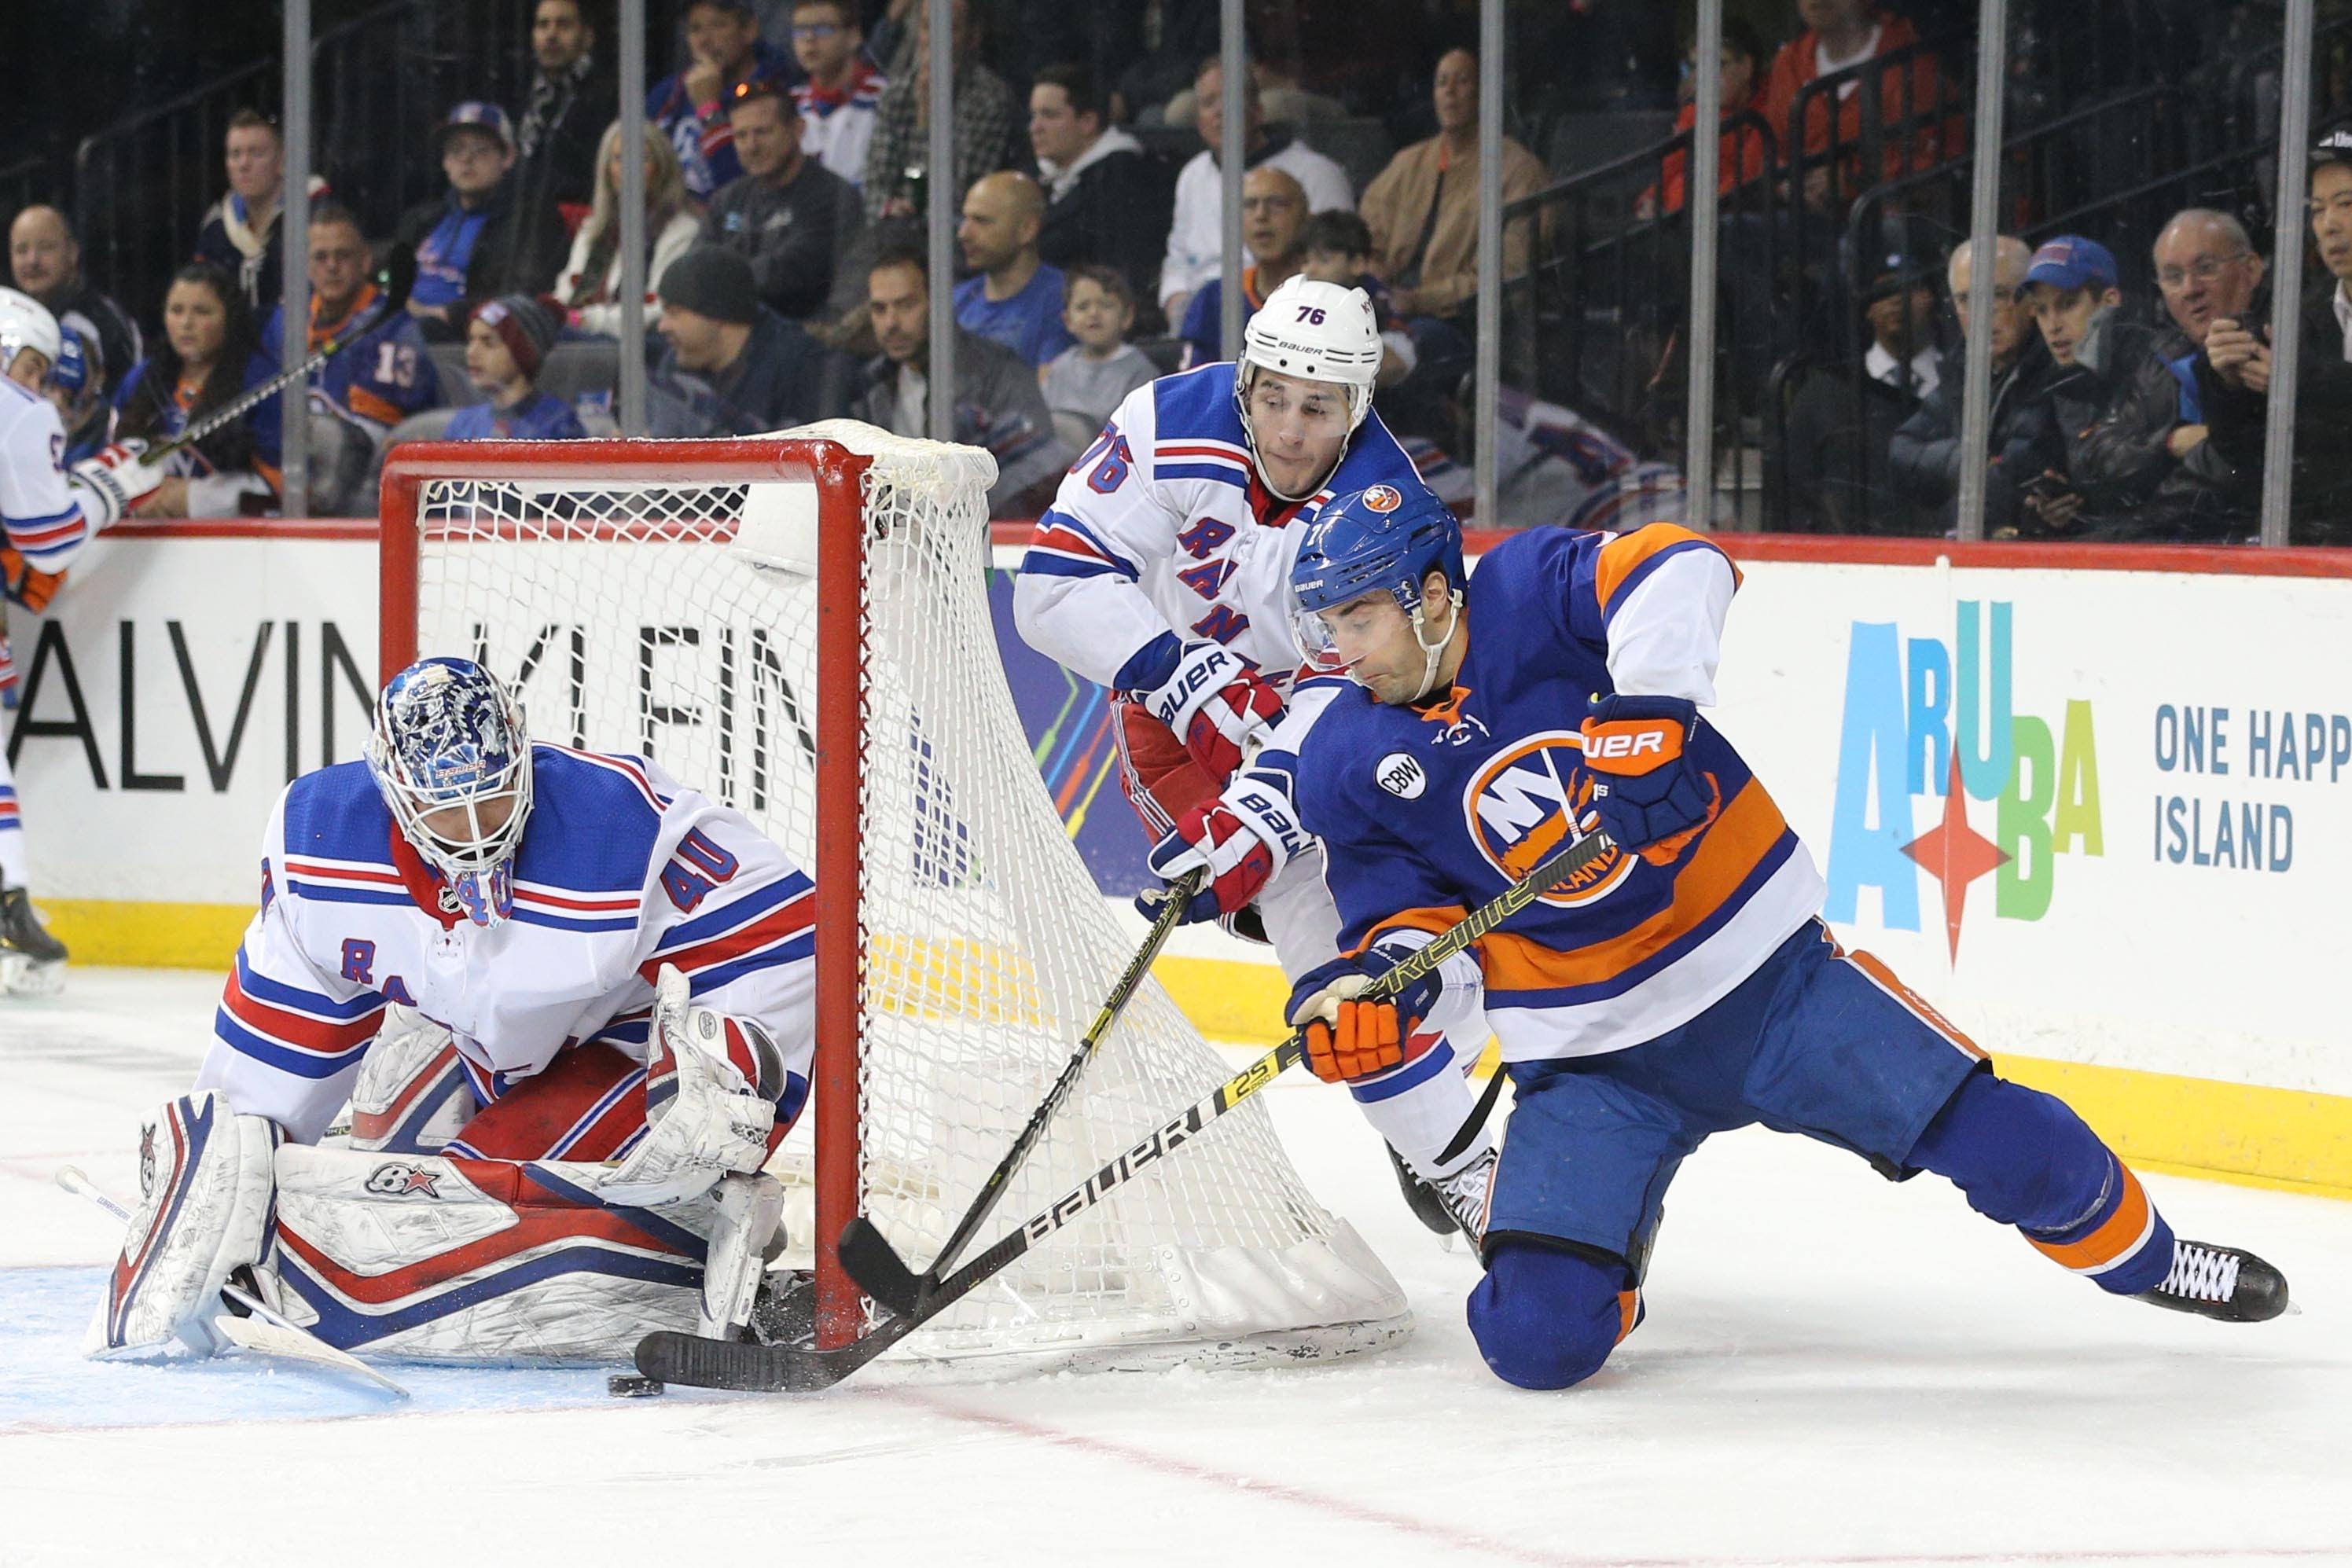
2121,1233
1885,978
1617,560
1735,843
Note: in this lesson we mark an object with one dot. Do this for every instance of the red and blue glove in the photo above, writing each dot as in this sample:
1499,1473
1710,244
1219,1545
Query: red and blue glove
1215,701
1644,786
1348,1039
1244,836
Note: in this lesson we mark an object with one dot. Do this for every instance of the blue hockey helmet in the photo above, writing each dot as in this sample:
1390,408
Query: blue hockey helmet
1376,540
449,745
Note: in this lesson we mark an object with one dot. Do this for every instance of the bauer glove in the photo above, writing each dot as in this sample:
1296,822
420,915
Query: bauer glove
1346,1038
1212,697
1644,789
1244,837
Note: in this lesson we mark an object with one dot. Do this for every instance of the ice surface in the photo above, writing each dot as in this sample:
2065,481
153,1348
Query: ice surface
1836,1370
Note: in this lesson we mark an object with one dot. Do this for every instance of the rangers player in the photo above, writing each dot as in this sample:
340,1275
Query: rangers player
1161,571
570,1003
48,513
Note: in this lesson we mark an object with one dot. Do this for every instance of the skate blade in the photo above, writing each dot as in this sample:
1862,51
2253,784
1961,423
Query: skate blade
30,977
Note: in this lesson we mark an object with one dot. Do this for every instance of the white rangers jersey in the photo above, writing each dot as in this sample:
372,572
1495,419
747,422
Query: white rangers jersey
1163,530
38,507
620,870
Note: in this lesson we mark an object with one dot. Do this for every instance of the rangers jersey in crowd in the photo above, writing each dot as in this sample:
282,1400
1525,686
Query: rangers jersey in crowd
1163,530
619,872
1427,812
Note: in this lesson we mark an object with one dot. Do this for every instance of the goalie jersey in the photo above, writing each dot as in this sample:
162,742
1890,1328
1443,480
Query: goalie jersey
1163,530
619,871
1428,812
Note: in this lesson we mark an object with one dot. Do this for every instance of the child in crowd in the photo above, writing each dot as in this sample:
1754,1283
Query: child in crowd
1084,383
505,342
1337,247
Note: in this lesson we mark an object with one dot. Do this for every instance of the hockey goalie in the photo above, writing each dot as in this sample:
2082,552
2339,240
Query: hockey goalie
569,1002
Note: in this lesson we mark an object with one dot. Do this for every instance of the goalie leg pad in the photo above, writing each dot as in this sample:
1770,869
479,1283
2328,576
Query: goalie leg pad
204,1208
439,1259
411,1095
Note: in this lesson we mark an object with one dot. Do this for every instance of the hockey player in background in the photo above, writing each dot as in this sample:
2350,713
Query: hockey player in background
48,512
570,1002
1685,983
1161,571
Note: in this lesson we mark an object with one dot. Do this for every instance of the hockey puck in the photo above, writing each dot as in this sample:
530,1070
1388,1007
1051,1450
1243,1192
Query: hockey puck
633,1385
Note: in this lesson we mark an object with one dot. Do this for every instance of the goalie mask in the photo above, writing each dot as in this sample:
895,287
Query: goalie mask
453,762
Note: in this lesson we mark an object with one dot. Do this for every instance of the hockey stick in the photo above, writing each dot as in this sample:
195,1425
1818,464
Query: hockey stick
396,277
265,1333
675,1357
875,1265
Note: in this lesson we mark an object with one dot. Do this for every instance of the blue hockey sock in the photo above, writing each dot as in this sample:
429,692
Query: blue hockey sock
2025,1158
1544,1318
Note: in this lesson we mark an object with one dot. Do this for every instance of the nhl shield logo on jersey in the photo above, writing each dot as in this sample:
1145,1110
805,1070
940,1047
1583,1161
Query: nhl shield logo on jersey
1524,804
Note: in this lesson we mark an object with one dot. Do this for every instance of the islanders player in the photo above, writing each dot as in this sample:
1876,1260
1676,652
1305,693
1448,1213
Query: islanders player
1682,985
49,511
1162,570
566,998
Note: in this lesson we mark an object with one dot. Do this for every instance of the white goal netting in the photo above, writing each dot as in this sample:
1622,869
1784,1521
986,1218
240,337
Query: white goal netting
617,603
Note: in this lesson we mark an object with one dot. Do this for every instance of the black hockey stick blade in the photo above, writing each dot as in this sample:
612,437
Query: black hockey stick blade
879,1272
396,276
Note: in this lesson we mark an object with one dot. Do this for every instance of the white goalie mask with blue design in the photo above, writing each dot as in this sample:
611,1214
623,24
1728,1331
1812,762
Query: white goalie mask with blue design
453,762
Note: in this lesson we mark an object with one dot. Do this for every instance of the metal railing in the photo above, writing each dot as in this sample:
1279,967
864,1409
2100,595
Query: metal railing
383,80
25,181
1596,322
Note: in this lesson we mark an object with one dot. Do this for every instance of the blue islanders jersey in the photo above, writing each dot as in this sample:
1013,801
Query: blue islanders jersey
539,417
619,872
379,379
1162,528
1427,812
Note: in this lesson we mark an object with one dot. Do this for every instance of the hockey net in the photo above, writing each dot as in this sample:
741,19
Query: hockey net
798,625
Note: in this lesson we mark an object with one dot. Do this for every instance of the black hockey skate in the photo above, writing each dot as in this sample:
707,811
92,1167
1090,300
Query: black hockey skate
1456,1204
2219,1282
32,962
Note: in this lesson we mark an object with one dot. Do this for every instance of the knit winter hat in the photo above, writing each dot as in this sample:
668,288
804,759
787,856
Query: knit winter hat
712,280
523,325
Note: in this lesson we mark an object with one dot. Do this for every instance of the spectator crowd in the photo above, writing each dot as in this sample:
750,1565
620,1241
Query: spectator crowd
786,178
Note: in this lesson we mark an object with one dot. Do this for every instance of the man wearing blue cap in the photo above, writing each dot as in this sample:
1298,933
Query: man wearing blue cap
2112,401
476,241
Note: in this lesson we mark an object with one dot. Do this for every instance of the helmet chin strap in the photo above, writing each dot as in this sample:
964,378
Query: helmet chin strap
1432,652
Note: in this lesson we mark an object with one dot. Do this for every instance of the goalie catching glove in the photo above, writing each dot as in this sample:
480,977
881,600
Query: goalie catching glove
1216,703
705,1118
1244,837
114,481
1346,1038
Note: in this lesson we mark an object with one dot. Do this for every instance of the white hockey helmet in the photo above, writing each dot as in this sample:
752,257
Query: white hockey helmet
26,323
1323,331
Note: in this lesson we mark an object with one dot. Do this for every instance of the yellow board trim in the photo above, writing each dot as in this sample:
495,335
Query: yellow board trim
147,935
2243,1133
2279,1138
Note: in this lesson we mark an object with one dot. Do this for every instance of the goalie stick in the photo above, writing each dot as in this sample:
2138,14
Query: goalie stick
876,1266
395,277
265,1333
709,1364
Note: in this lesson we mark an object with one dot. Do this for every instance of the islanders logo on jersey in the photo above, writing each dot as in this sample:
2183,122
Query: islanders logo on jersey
1524,803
